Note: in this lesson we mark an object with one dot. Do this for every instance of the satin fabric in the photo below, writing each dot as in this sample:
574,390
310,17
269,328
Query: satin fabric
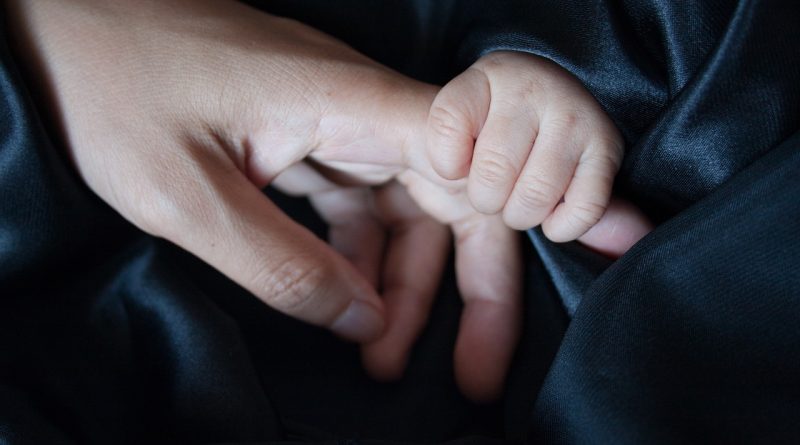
110,336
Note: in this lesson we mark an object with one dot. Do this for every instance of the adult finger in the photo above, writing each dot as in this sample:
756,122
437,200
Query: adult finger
415,259
489,271
352,229
213,211
301,179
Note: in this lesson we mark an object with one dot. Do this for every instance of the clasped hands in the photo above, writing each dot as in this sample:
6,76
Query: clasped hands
178,113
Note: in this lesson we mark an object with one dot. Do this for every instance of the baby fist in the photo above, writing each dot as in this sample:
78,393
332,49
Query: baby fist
533,143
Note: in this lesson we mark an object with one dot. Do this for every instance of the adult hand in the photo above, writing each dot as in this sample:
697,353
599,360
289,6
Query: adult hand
177,113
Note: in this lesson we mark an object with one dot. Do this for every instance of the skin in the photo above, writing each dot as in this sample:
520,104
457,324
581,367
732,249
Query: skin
177,113
533,144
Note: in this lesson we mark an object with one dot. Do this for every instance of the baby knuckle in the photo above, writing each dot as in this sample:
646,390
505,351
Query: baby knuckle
494,60
494,169
537,193
603,162
445,123
566,123
613,145
586,214
611,158
606,136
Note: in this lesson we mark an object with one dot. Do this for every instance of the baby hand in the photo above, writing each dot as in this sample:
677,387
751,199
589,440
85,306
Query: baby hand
533,143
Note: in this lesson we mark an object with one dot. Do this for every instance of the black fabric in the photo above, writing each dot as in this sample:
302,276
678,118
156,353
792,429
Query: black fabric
110,336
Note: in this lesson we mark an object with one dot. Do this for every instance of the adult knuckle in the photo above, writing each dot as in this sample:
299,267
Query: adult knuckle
159,212
167,198
293,286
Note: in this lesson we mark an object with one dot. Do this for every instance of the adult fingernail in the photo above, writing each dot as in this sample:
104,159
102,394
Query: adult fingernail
360,322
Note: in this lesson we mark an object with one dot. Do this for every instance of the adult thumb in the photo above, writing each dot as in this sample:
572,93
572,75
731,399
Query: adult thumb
226,221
